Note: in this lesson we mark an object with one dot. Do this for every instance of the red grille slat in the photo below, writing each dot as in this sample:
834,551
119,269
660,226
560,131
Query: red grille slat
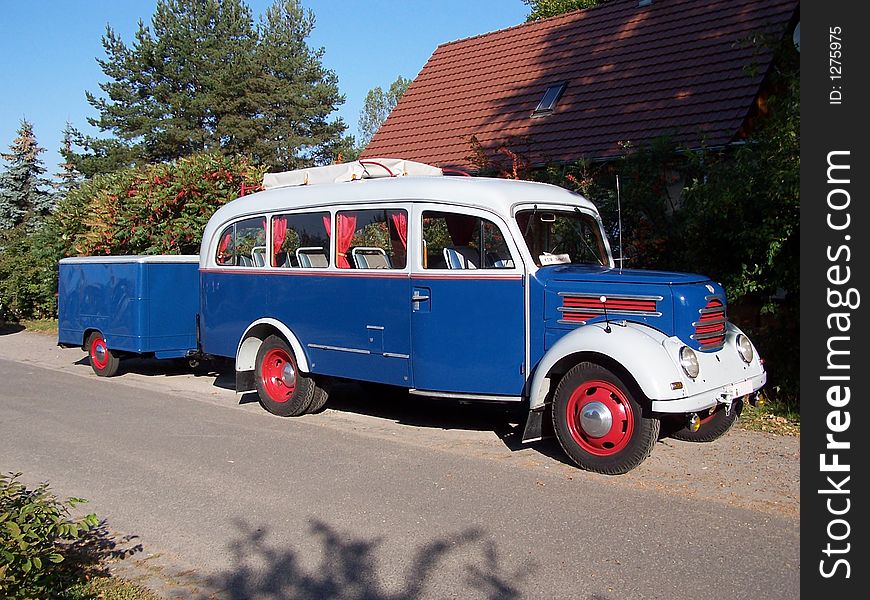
616,304
574,308
578,316
711,322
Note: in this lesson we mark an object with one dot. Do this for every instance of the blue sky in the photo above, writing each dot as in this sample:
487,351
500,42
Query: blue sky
48,50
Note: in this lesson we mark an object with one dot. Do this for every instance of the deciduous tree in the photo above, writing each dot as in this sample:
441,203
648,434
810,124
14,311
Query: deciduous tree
542,9
378,106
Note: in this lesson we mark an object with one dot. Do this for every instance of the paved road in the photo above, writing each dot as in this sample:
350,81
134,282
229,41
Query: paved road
373,499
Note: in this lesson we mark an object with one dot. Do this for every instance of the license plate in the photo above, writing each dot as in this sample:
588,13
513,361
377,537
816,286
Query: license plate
736,390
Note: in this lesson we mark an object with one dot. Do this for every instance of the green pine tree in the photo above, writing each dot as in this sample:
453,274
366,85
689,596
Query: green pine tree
68,178
23,193
202,77
295,93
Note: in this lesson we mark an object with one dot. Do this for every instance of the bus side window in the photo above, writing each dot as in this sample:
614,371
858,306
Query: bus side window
457,241
225,252
248,237
371,239
301,240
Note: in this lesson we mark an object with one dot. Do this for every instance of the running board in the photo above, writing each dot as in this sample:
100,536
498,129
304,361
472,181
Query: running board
468,397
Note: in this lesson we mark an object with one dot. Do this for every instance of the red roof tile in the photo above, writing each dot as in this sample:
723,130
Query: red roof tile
678,68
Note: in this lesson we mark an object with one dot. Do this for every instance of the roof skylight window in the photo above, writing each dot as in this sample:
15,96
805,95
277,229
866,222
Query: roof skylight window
548,102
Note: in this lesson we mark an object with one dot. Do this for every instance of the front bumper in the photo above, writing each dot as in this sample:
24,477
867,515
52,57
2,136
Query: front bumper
724,394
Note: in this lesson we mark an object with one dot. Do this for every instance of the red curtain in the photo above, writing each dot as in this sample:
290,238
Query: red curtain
461,228
222,249
327,225
346,228
400,222
279,234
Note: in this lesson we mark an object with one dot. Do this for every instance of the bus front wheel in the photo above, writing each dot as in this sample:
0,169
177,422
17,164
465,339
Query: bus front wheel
599,422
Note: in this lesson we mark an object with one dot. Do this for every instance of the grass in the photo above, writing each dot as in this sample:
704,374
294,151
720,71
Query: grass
110,588
770,420
36,325
40,325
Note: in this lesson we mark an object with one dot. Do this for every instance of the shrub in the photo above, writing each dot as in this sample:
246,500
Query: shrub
28,272
36,533
154,209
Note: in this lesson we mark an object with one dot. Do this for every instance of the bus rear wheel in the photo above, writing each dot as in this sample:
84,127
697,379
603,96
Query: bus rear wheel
283,390
599,422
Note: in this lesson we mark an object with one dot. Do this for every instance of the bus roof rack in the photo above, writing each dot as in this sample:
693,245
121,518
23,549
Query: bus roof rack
368,168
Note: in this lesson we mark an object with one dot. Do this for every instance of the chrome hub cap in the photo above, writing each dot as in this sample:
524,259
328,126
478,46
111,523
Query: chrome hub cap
596,419
288,374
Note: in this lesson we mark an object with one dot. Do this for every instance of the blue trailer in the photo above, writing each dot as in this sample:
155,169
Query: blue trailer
133,305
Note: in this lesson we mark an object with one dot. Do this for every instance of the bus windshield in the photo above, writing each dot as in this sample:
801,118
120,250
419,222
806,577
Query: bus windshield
562,237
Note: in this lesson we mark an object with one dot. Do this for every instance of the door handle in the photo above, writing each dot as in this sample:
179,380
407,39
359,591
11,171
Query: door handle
417,297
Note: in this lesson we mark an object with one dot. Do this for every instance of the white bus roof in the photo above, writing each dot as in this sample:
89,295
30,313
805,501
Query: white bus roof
495,195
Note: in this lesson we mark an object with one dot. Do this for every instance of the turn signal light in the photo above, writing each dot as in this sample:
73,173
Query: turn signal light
759,400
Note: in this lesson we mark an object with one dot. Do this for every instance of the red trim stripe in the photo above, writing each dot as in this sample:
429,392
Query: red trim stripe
420,276
355,273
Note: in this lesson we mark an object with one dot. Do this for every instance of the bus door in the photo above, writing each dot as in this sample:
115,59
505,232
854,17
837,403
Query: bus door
467,304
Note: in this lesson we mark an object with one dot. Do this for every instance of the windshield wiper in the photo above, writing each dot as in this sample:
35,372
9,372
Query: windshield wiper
531,218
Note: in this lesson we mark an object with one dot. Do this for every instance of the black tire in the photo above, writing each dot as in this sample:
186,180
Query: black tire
104,362
625,441
713,426
279,394
321,396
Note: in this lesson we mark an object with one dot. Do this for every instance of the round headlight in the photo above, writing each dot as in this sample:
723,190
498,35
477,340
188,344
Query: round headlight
744,348
689,362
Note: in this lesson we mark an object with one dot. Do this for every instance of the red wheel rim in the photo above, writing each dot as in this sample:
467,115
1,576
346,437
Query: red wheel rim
99,353
616,438
279,375
709,417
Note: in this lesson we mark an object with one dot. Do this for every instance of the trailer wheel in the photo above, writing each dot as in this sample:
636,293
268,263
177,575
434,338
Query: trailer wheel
103,361
599,422
283,390
713,426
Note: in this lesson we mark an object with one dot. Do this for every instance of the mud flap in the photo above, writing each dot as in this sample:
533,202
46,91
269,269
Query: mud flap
245,382
537,428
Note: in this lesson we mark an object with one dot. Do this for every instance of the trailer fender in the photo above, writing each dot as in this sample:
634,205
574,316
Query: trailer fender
246,354
637,348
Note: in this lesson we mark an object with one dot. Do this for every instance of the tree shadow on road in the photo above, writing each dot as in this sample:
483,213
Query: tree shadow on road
464,564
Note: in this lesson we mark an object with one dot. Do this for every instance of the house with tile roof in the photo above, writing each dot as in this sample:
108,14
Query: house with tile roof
583,84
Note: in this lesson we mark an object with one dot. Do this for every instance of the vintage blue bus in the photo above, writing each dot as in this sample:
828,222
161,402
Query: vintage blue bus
458,287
